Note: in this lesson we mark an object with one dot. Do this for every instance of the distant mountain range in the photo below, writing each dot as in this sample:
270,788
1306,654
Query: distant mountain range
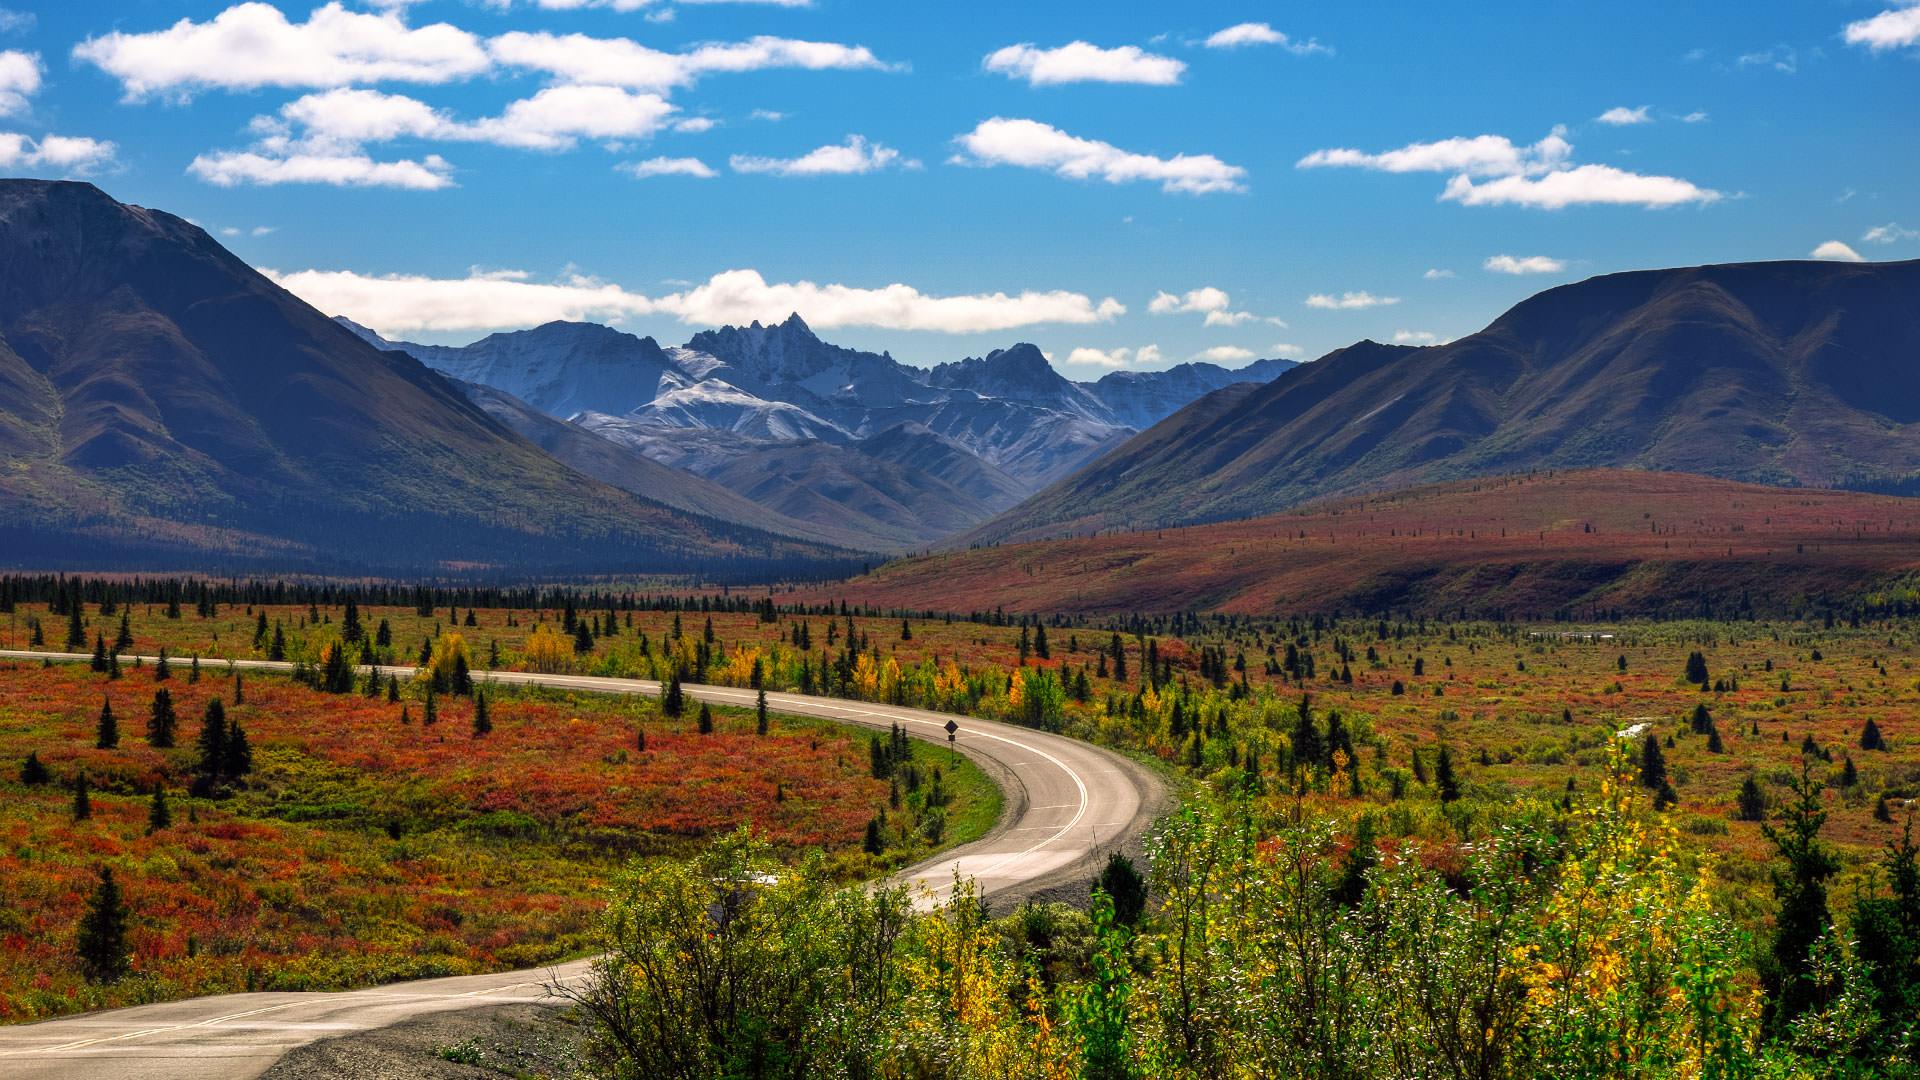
1784,373
163,405
836,438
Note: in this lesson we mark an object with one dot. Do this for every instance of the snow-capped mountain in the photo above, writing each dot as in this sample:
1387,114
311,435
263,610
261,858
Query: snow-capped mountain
1015,423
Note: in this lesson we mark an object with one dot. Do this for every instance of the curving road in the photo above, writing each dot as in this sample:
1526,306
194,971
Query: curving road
1067,805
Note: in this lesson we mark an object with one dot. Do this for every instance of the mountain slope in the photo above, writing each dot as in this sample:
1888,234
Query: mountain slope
1598,543
161,403
1797,373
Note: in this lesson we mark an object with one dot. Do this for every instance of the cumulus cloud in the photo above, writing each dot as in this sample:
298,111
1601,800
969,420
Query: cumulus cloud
1697,116
851,158
1116,358
1835,251
253,45
1287,351
1224,354
1541,175
1415,337
69,155
1621,116
1782,58
1030,144
623,62
1242,35
19,80
1081,61
1890,233
1349,301
669,166
1585,185
1892,29
15,21
339,169
495,300
1437,274
1527,264
1213,303
1480,155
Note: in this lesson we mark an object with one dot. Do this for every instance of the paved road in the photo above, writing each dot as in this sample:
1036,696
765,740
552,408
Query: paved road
1068,804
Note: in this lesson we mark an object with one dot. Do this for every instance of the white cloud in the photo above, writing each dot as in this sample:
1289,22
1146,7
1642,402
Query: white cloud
1415,337
1585,185
1621,116
502,300
694,125
1893,29
19,80
340,169
1889,233
1241,35
633,5
624,62
1541,175
666,166
1526,264
771,116
1436,274
67,154
1287,351
1082,61
1835,251
1032,145
1697,116
15,21
1349,301
1213,303
1480,155
1116,358
854,157
253,45
1781,58
1224,354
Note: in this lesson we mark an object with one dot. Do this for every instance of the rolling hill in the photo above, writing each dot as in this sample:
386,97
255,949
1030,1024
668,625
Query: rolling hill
164,405
1585,543
1790,373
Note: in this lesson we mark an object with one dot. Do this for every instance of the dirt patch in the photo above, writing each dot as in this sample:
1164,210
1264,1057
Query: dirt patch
523,1041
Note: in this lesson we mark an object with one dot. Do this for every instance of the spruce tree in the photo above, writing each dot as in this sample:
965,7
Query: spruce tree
1752,802
82,798
161,671
239,692
33,772
1870,738
99,654
706,719
124,639
462,677
760,712
76,629
238,761
1801,888
482,723
107,731
159,816
430,712
673,700
1653,764
213,741
873,844
105,954
1444,778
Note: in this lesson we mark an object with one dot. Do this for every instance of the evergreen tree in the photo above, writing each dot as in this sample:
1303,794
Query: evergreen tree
1702,721
430,711
1887,930
1752,802
76,628
873,844
673,700
1801,888
278,650
105,954
462,677
1696,672
1444,778
1125,886
393,689
239,692
1714,745
1849,775
760,713
706,719
640,739
161,671
1040,641
159,816
82,798
124,639
906,631
213,741
99,654
239,757
1308,749
1653,764
33,772
107,731
193,670
1870,738
482,723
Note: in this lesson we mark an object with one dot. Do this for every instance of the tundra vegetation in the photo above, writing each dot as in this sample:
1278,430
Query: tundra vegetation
1419,846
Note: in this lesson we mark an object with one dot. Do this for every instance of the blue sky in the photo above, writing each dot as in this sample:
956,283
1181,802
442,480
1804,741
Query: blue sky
940,180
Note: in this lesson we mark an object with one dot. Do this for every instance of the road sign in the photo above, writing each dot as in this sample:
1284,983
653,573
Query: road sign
951,728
